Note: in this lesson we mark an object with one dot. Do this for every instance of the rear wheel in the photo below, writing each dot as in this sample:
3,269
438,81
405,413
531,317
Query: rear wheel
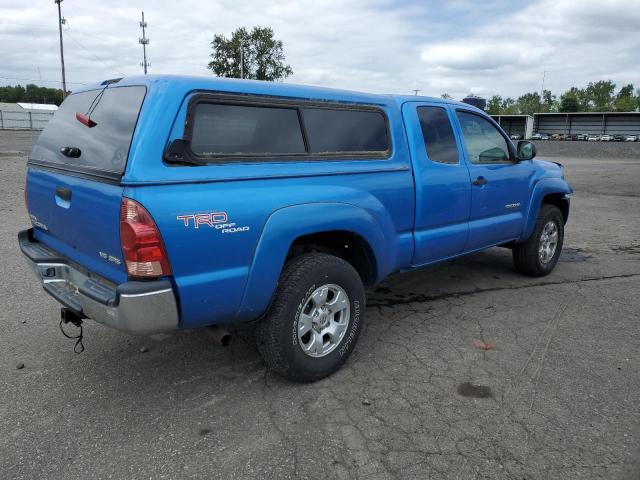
315,319
539,254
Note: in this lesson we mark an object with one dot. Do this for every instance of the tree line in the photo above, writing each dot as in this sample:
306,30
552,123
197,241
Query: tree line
598,96
31,94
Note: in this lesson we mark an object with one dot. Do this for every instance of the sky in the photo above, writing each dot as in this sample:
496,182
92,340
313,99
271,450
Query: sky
383,46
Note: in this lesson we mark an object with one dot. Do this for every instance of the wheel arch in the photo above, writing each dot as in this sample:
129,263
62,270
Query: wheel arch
323,227
553,191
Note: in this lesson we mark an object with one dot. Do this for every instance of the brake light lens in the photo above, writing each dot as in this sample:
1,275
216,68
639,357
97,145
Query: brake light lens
142,247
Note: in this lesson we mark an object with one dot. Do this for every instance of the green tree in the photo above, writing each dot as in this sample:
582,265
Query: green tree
580,94
446,96
509,106
494,105
32,93
262,55
529,103
625,100
600,95
569,102
549,102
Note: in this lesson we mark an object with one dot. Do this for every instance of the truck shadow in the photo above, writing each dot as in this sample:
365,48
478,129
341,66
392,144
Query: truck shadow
172,362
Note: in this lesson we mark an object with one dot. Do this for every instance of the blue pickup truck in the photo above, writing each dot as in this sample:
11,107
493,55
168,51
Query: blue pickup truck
165,202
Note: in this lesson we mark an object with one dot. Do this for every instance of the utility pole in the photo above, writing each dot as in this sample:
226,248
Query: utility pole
144,41
60,22
544,74
241,59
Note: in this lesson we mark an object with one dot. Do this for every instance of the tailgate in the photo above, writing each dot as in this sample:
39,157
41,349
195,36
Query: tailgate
73,177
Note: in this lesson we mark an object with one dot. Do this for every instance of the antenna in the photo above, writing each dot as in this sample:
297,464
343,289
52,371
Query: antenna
44,99
415,91
144,41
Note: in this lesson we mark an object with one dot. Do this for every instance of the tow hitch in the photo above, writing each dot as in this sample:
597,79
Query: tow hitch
68,316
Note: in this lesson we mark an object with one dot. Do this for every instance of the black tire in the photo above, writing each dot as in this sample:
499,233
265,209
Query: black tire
526,256
276,334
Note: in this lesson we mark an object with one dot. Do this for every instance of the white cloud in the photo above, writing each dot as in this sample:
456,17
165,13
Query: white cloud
375,45
574,42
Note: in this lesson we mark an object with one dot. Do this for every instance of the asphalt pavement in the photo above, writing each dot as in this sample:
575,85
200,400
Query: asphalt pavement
466,370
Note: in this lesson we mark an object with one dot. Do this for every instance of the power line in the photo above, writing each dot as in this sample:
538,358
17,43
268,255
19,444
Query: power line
93,54
39,80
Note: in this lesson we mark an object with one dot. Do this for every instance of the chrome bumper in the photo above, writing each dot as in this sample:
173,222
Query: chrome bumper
134,307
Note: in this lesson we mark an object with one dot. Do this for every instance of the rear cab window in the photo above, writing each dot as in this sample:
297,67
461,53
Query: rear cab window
439,140
223,130
102,149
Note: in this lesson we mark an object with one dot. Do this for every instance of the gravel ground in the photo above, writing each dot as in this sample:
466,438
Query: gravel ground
602,150
557,395
16,142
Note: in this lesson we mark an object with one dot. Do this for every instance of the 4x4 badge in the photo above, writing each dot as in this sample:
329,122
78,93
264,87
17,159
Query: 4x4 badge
110,258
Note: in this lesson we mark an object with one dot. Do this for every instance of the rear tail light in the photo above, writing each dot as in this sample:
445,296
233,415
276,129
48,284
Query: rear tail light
142,247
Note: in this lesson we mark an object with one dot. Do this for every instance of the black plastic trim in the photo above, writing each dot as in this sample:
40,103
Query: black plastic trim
275,102
25,239
77,171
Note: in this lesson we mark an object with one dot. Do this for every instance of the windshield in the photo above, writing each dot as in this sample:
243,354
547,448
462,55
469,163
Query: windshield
104,146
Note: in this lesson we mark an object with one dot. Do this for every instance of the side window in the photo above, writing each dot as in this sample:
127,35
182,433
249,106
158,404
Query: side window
484,142
221,129
336,130
438,135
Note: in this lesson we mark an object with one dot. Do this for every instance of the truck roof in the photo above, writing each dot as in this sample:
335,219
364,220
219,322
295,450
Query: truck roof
233,85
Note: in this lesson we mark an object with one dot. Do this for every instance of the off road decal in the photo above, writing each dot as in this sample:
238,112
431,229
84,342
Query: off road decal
217,220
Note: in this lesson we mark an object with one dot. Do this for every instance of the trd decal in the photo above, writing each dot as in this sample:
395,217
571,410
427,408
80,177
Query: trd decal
197,219
217,220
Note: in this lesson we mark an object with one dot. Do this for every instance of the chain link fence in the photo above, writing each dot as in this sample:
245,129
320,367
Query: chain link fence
24,120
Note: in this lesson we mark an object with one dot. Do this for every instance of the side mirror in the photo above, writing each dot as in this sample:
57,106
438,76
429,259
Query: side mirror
526,150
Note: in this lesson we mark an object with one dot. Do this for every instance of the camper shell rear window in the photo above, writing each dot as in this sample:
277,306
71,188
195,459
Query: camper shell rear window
102,148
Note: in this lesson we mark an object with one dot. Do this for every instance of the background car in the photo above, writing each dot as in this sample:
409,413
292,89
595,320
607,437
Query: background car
631,138
606,138
544,137
618,138
536,136
593,138
556,136
581,136
516,136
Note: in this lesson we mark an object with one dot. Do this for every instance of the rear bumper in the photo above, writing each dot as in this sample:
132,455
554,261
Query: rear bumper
134,307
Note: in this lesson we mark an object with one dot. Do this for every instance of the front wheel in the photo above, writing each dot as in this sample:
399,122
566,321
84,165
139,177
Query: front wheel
539,254
315,319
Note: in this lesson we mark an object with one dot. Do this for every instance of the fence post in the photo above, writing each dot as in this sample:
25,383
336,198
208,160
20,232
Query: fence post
30,121
1,120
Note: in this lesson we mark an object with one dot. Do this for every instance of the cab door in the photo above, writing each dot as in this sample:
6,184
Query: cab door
443,189
500,185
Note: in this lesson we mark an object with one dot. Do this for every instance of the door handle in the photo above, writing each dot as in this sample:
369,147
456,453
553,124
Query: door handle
63,194
480,181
